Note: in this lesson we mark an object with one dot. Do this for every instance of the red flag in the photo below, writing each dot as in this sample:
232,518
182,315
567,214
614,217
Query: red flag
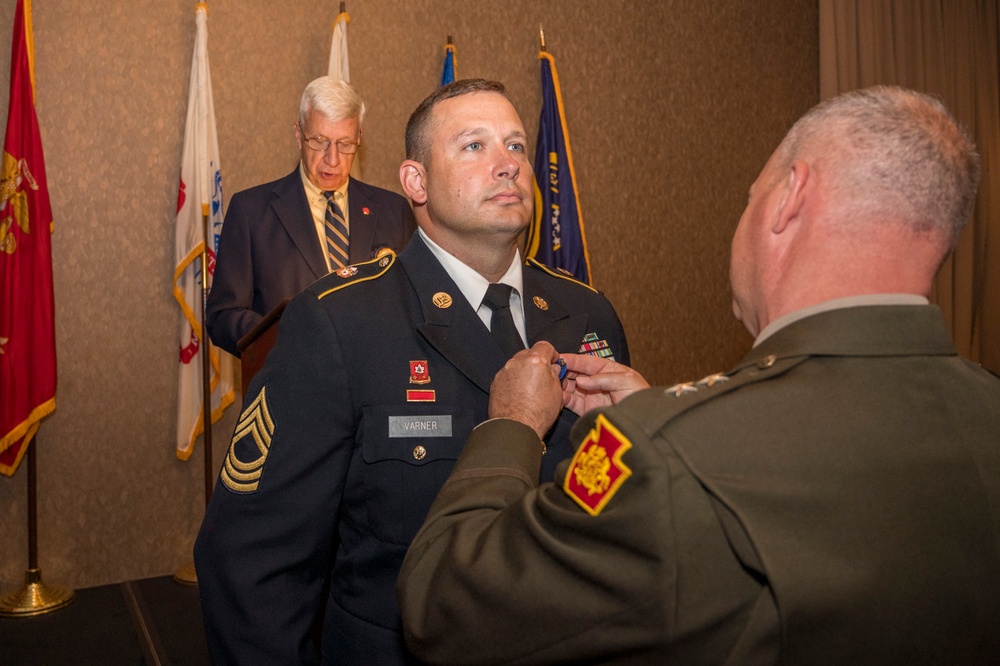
27,303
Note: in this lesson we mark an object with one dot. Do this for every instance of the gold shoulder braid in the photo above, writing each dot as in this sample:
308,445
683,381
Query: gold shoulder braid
557,272
357,273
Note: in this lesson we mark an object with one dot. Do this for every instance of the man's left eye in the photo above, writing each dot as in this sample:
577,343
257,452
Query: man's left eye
516,147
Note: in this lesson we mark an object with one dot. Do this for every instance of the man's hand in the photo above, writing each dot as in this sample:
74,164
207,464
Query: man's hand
527,389
593,382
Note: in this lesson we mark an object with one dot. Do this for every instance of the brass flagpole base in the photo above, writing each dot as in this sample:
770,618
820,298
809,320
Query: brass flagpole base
186,574
35,598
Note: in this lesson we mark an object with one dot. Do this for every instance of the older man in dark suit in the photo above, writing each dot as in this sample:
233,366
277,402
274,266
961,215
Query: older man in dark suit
833,499
282,236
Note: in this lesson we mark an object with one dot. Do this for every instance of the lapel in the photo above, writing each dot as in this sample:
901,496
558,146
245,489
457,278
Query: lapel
362,232
556,324
455,332
292,209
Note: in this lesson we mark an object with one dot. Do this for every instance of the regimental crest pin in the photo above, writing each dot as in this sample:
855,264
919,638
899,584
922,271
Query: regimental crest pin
540,303
347,271
597,472
419,373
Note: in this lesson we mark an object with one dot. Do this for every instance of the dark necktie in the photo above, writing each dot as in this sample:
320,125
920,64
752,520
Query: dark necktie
502,323
336,233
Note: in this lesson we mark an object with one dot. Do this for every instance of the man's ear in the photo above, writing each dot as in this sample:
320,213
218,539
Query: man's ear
412,177
796,189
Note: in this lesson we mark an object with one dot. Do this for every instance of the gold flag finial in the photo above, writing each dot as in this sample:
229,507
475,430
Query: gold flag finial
541,36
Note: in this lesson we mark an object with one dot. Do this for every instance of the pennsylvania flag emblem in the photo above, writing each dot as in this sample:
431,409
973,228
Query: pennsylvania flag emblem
556,237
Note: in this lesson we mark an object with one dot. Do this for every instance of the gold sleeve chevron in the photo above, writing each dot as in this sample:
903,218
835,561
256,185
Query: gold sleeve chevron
256,426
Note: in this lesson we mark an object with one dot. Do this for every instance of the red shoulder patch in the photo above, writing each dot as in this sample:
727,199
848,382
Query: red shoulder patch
597,471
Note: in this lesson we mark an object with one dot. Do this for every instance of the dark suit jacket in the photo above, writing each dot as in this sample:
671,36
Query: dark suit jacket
354,457
834,499
269,250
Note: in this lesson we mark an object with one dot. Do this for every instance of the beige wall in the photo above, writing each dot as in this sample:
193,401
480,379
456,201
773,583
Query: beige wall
673,107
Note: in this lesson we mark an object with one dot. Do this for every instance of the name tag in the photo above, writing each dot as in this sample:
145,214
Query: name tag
420,426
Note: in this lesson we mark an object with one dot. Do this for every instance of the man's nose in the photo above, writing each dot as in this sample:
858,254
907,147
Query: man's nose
332,155
507,165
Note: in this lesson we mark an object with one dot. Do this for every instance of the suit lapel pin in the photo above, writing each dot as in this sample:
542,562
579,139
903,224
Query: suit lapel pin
365,211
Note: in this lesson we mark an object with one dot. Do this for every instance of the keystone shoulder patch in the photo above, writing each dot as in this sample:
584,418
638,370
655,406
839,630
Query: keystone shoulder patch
597,471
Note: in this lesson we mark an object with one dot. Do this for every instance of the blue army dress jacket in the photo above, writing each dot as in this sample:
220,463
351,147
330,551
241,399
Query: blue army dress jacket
379,374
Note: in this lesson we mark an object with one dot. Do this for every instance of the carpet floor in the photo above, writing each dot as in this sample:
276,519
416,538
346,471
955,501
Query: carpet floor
154,621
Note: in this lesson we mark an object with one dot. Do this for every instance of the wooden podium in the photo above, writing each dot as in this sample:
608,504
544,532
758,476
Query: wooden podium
256,344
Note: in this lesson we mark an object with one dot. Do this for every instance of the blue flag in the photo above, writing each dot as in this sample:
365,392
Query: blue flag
556,237
448,74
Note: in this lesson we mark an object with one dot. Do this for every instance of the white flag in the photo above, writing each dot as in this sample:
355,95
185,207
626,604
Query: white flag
200,193
340,66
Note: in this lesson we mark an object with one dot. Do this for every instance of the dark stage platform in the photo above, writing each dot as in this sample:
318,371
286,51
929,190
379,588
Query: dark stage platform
154,621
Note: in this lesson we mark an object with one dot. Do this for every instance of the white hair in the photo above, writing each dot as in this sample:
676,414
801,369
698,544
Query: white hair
334,99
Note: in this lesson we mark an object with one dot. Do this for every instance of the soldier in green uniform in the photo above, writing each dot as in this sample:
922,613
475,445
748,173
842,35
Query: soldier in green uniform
833,499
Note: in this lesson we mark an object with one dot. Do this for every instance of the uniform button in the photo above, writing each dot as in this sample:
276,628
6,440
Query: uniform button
767,361
419,453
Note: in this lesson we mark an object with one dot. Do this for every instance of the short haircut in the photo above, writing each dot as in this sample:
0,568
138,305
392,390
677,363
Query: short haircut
334,99
417,147
891,152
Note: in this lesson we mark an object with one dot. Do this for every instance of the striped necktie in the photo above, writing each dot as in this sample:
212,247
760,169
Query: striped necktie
336,233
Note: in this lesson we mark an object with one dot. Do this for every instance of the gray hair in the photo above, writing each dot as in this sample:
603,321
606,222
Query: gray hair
891,152
332,98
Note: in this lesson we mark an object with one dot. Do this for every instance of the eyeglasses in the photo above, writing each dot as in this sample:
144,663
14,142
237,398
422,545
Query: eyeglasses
322,145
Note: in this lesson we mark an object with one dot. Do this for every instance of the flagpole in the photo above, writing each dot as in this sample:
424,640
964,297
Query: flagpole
186,574
35,598
206,374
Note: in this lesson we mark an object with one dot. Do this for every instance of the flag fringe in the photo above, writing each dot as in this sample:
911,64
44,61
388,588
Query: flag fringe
21,429
184,264
569,158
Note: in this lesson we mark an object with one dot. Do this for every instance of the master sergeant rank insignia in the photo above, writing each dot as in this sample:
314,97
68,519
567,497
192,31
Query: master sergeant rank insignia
250,446
597,471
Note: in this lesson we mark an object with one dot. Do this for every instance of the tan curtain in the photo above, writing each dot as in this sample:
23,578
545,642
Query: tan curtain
947,48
